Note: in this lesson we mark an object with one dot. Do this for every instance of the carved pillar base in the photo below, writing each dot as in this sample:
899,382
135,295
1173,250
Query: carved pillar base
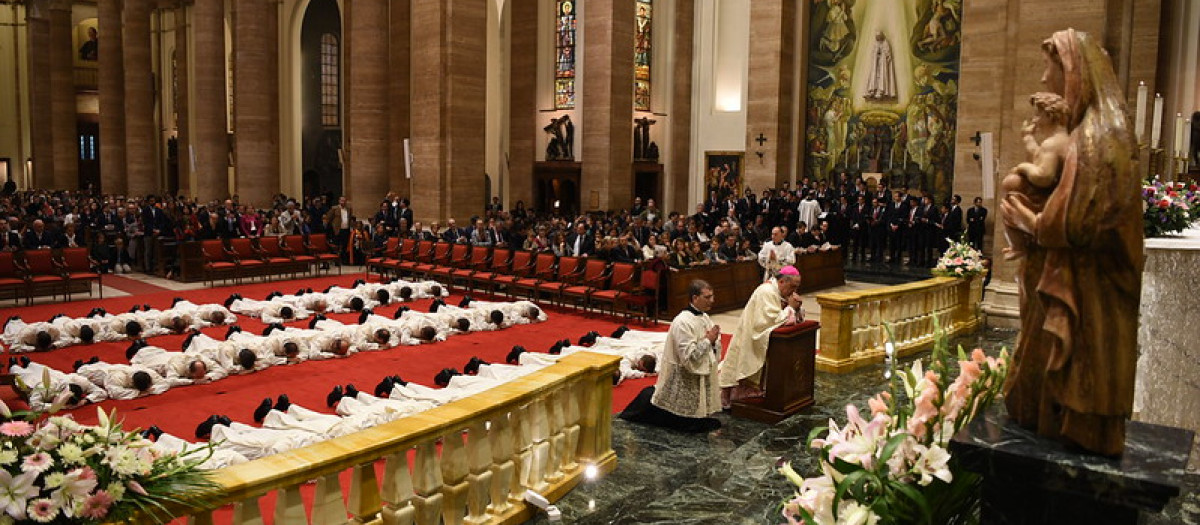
503,476
535,476
429,509
454,500
1001,306
522,464
404,515
571,452
477,498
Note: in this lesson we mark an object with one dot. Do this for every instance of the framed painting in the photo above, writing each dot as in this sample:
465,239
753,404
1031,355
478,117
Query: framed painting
723,173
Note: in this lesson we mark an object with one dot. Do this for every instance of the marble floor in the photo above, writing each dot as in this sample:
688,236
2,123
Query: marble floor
729,477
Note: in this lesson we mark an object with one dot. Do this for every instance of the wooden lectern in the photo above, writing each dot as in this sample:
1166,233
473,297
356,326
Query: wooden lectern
790,368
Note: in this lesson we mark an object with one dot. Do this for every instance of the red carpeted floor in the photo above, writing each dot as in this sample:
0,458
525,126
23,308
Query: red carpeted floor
179,410
131,286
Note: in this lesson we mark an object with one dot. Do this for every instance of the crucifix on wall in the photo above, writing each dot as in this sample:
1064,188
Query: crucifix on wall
760,139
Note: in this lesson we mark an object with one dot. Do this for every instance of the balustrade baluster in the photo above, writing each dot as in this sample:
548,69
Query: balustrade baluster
540,450
289,506
247,513
397,491
328,506
554,418
479,477
364,494
503,468
427,483
574,396
203,518
454,473
523,458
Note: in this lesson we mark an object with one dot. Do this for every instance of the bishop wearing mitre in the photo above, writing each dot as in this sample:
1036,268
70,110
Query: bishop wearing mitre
773,304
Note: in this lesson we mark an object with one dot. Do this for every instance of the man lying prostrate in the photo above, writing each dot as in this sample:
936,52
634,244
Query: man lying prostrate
253,443
128,381
638,358
379,292
84,330
303,299
330,344
172,321
347,300
33,377
194,367
33,337
267,311
372,410
204,315
263,347
130,325
411,328
478,319
402,290
288,343
516,312
321,426
220,458
361,338
231,358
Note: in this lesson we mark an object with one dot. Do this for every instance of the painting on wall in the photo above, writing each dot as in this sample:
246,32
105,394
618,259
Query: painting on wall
87,42
723,173
883,90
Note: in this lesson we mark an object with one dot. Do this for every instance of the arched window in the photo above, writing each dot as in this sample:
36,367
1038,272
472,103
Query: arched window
641,56
330,81
564,55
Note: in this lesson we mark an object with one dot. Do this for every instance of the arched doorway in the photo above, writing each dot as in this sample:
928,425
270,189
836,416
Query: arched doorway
321,96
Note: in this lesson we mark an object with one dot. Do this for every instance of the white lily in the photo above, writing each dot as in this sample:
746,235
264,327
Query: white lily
15,492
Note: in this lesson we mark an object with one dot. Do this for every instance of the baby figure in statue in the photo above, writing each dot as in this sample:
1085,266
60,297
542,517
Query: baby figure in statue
1032,182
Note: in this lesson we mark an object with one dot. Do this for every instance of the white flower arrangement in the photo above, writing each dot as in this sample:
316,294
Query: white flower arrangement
53,469
960,260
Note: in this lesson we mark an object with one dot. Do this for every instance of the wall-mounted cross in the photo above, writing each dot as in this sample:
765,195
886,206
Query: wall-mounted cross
760,139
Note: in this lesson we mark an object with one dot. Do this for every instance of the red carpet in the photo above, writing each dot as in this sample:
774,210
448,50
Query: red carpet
179,410
131,286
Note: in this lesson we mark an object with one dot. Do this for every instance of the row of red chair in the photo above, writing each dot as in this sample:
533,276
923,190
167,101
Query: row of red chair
583,281
266,256
34,272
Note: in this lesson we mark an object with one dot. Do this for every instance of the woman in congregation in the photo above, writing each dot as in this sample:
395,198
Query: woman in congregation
680,258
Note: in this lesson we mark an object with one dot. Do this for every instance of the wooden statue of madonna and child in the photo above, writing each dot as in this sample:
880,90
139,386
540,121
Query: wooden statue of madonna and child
1073,217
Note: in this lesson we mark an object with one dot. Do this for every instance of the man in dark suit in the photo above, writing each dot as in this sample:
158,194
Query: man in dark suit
878,230
9,240
580,242
641,232
452,233
976,224
954,219
38,237
897,219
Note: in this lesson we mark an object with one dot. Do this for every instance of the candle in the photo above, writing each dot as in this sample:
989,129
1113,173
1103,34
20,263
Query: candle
1156,127
1187,142
1139,127
1179,134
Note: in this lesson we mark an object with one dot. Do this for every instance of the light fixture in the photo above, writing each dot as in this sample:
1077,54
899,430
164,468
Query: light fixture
590,472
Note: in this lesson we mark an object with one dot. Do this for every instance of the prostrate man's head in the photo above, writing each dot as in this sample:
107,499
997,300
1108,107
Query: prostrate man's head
405,293
43,340
339,346
178,324
356,304
87,334
533,313
197,370
700,294
133,329
76,394
142,381
383,296
463,324
435,290
246,359
496,317
318,305
382,336
286,312
648,364
291,350
217,317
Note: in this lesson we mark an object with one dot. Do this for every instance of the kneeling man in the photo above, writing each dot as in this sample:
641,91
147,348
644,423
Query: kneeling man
773,304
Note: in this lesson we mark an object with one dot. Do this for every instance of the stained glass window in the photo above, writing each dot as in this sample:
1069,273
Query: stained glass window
641,56
330,74
564,55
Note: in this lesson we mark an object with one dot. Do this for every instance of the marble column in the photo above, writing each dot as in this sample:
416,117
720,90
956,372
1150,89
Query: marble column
37,20
255,97
522,100
141,160
399,91
209,138
771,93
679,165
111,83
63,118
607,105
449,41
366,87
183,99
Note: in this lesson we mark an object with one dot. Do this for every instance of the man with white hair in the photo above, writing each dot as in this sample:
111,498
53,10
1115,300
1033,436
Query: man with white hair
773,304
195,368
35,375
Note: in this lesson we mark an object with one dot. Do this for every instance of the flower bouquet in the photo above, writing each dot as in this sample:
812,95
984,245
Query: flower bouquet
56,470
960,260
894,468
1168,208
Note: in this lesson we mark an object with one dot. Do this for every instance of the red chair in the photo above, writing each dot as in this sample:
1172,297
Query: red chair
389,253
458,260
543,270
620,284
217,261
499,264
522,265
279,260
568,272
12,276
43,273
294,245
592,279
79,266
406,251
644,299
481,257
422,254
249,261
319,247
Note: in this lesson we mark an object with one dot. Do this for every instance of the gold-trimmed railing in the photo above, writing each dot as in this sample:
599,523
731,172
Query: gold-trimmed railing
472,459
854,324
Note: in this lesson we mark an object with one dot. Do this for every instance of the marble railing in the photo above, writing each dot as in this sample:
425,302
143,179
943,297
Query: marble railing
854,325
469,461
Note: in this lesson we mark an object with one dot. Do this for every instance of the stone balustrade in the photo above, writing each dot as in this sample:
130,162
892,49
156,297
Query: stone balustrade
466,462
854,325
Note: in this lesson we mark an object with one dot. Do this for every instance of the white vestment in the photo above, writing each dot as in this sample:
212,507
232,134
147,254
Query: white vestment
748,349
785,255
40,398
220,458
687,369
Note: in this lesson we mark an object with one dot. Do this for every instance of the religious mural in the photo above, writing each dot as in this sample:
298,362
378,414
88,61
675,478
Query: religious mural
723,173
641,56
564,55
883,90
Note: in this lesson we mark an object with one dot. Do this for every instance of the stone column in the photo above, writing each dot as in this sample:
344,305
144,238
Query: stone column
449,42
607,104
62,97
399,91
209,129
111,80
366,88
141,162
37,19
770,93
522,100
679,166
256,100
183,99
